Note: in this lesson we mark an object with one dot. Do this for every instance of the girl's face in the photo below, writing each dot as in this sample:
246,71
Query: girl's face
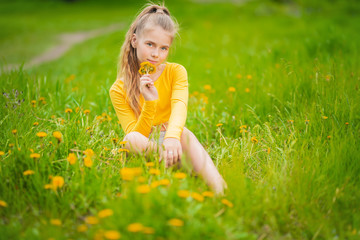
152,45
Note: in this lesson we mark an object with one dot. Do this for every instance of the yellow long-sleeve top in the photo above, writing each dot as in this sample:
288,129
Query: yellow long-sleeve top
171,106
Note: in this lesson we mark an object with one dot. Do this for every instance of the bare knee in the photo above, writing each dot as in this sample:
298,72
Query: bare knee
135,141
187,138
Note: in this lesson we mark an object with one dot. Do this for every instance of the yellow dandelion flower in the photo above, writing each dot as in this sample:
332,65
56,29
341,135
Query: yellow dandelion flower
48,186
247,90
28,172
148,230
14,131
268,151
198,197
87,111
115,140
35,155
243,131
232,89
324,117
164,182
147,68
55,222
183,193
33,103
105,213
123,150
41,134
227,203
346,123
72,158
254,140
238,76
208,194
154,171
112,235
99,235
35,124
204,98
2,153
219,124
127,174
58,136
3,203
123,142
141,179
175,222
68,110
82,228
137,171
249,76
88,162
290,121
155,184
135,227
207,87
41,99
70,78
307,121
89,152
243,126
150,164
57,182
91,220
180,175
143,189
11,145
329,137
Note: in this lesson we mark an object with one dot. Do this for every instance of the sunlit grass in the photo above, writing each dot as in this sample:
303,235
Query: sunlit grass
274,101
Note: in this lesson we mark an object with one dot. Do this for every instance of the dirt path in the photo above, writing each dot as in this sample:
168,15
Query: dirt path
66,41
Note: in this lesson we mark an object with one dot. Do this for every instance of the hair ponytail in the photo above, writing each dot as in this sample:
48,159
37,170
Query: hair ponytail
128,64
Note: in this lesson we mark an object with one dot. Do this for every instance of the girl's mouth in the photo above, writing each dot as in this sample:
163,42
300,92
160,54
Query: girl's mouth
153,62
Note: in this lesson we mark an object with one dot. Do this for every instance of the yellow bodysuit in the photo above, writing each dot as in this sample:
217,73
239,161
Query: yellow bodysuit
171,106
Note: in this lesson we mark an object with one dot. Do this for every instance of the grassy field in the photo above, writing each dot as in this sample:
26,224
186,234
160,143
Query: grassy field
274,98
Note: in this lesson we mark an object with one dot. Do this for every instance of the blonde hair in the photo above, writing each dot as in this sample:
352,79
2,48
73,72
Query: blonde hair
128,64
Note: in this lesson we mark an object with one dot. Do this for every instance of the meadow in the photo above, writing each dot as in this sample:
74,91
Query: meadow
274,99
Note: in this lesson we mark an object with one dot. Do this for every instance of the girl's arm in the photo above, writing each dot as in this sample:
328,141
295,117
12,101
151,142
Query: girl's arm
127,116
179,101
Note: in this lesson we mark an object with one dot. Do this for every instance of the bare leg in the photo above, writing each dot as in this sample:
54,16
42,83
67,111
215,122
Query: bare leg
138,143
193,150
201,161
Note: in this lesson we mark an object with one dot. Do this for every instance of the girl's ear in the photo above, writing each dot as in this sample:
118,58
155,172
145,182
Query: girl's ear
133,41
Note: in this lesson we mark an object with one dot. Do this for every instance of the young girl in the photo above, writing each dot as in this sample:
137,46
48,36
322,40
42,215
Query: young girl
148,103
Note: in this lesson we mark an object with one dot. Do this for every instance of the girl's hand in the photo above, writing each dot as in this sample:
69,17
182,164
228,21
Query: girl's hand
147,88
172,151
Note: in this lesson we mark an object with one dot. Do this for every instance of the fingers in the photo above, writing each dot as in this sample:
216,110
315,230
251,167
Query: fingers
147,83
171,157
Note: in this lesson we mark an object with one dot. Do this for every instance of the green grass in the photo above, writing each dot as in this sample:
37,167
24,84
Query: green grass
287,62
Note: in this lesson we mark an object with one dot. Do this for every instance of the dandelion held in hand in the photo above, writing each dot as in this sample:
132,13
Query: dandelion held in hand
147,68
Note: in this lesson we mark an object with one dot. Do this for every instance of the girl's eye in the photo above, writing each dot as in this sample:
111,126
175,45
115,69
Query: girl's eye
149,44
164,48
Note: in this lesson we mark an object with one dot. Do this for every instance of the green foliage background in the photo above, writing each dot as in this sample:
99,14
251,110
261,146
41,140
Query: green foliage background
289,61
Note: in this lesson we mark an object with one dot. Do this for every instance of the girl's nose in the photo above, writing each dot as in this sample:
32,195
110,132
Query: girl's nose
155,53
